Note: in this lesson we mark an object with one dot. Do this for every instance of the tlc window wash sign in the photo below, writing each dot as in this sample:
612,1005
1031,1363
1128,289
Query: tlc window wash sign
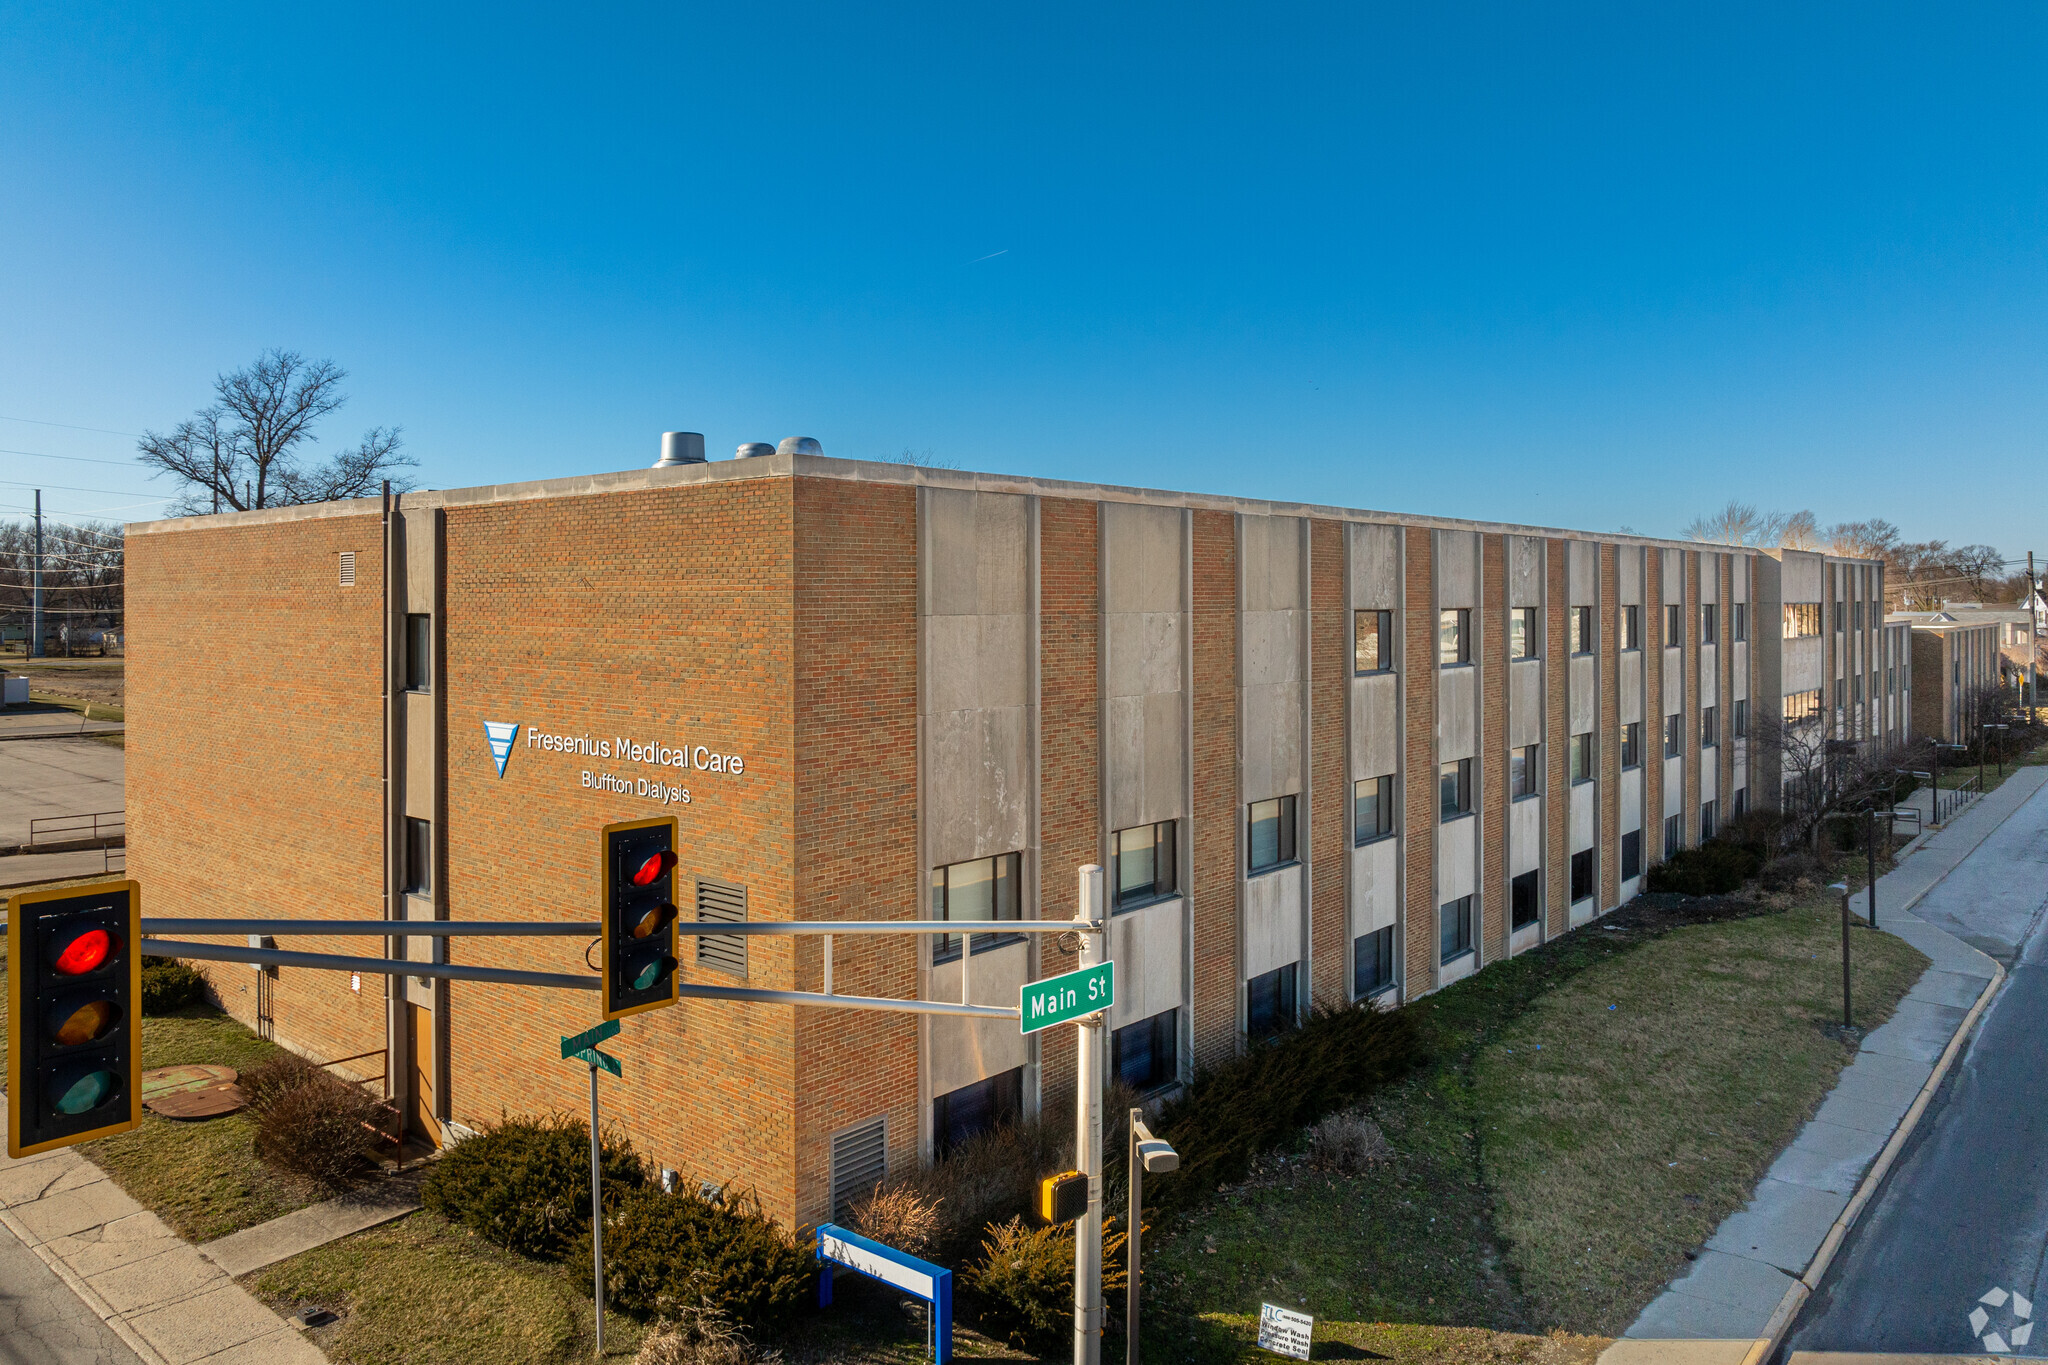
669,761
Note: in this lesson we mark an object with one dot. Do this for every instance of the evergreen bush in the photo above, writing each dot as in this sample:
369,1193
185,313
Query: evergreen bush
666,1255
169,985
525,1183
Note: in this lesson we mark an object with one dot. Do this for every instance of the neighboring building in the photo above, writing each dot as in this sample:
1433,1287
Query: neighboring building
2021,632
1954,660
1324,754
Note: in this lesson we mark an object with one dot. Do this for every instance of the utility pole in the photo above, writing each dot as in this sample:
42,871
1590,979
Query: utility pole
35,626
1088,1134
2033,640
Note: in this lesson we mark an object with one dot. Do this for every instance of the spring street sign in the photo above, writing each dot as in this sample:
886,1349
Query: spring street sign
1057,999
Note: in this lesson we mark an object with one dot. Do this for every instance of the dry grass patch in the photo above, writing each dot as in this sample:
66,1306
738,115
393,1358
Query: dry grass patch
1408,1344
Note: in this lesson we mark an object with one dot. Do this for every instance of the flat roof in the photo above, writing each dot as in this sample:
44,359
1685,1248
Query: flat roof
877,471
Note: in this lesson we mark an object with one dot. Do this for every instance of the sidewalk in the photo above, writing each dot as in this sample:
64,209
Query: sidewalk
1725,1308
169,1304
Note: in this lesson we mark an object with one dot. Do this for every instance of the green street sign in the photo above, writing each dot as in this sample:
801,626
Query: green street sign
590,1056
590,1037
1055,1000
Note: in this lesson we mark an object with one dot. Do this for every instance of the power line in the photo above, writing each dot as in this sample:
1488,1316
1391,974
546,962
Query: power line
67,488
36,422
81,459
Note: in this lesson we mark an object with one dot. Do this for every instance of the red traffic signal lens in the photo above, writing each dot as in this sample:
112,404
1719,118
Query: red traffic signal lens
654,869
86,951
654,921
87,1022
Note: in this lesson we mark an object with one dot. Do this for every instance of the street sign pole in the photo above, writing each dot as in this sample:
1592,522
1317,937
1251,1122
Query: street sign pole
596,1216
1088,1138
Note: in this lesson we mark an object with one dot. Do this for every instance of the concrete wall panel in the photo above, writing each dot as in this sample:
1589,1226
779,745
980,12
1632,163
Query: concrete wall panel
1457,851
1525,836
1525,702
1375,566
967,1050
1272,921
1149,946
1583,691
1457,569
1375,725
1457,718
1375,885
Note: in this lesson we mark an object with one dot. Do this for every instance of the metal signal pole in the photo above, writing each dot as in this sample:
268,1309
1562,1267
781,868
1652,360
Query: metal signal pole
35,628
596,1214
1088,1135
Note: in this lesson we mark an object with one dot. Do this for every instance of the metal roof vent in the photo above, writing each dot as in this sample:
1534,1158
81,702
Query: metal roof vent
752,448
680,447
799,445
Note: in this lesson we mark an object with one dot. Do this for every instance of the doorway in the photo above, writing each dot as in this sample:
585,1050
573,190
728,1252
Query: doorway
419,1117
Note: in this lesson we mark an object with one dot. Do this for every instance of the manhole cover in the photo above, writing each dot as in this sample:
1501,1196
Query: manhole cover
194,1091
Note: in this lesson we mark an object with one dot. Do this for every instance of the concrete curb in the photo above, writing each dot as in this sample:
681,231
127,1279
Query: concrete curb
86,1294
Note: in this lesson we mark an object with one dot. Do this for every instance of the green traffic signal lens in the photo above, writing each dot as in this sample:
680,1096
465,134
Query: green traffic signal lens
88,1092
652,970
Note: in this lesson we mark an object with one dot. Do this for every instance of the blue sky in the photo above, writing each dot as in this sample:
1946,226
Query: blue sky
1585,266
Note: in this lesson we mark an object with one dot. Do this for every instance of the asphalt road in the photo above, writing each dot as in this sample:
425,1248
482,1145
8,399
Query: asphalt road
43,1323
1964,1212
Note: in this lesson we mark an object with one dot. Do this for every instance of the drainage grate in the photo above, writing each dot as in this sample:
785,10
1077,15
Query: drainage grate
725,904
859,1162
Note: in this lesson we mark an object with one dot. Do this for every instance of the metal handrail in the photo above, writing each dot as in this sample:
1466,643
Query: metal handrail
79,826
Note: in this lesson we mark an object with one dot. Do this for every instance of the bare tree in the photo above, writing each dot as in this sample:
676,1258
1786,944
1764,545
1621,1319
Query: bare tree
242,452
1873,539
1741,523
1825,771
925,459
82,578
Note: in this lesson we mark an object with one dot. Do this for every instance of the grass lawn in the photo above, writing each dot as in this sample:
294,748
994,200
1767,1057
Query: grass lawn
202,1178
1556,1161
105,685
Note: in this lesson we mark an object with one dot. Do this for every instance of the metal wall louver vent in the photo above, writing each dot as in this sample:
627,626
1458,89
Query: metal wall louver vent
859,1163
725,904
348,568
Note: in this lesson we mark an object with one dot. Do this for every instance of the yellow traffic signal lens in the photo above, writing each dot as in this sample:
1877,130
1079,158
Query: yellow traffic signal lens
87,1093
654,921
86,1023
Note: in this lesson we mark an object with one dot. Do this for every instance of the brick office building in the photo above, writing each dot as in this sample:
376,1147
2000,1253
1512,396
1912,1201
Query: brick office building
1324,755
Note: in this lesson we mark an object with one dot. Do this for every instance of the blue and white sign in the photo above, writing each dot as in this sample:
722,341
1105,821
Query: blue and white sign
501,733
933,1284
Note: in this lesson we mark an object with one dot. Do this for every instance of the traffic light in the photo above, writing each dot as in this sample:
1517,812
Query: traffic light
639,916
74,1002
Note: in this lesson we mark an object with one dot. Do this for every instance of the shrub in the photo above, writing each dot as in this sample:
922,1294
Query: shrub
1713,869
273,1076
1263,1100
525,1184
1024,1279
669,1254
1346,1143
169,985
700,1336
1787,872
320,1127
991,1177
898,1217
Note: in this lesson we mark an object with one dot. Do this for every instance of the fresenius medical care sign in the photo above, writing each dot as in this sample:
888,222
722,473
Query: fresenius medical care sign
631,755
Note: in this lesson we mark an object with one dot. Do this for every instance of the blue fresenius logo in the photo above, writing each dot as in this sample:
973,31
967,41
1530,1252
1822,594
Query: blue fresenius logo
500,733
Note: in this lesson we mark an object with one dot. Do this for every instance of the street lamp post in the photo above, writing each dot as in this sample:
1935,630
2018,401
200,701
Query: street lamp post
1843,887
1152,1155
1988,725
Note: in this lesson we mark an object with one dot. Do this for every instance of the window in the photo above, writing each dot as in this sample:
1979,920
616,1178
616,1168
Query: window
726,904
1525,899
1856,690
1271,834
1582,630
1454,930
1453,635
975,1109
1525,637
1269,1002
1841,615
1856,613
1738,621
419,652
1741,800
1372,809
1801,708
1632,744
1706,821
1891,677
1146,1055
1742,720
985,889
1372,645
1454,789
1142,864
1582,757
1674,626
1674,834
419,857
1372,962
1710,726
1710,623
1523,771
1632,854
1801,620
1674,734
1631,627
1582,875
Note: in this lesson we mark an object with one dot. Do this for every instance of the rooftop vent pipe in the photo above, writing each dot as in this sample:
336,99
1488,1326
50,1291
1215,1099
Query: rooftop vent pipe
753,448
679,448
799,445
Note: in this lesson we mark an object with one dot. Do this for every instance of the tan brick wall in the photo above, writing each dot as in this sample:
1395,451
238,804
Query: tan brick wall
1557,801
1493,746
856,850
1329,765
1608,743
1070,790
254,751
1214,825
1419,801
